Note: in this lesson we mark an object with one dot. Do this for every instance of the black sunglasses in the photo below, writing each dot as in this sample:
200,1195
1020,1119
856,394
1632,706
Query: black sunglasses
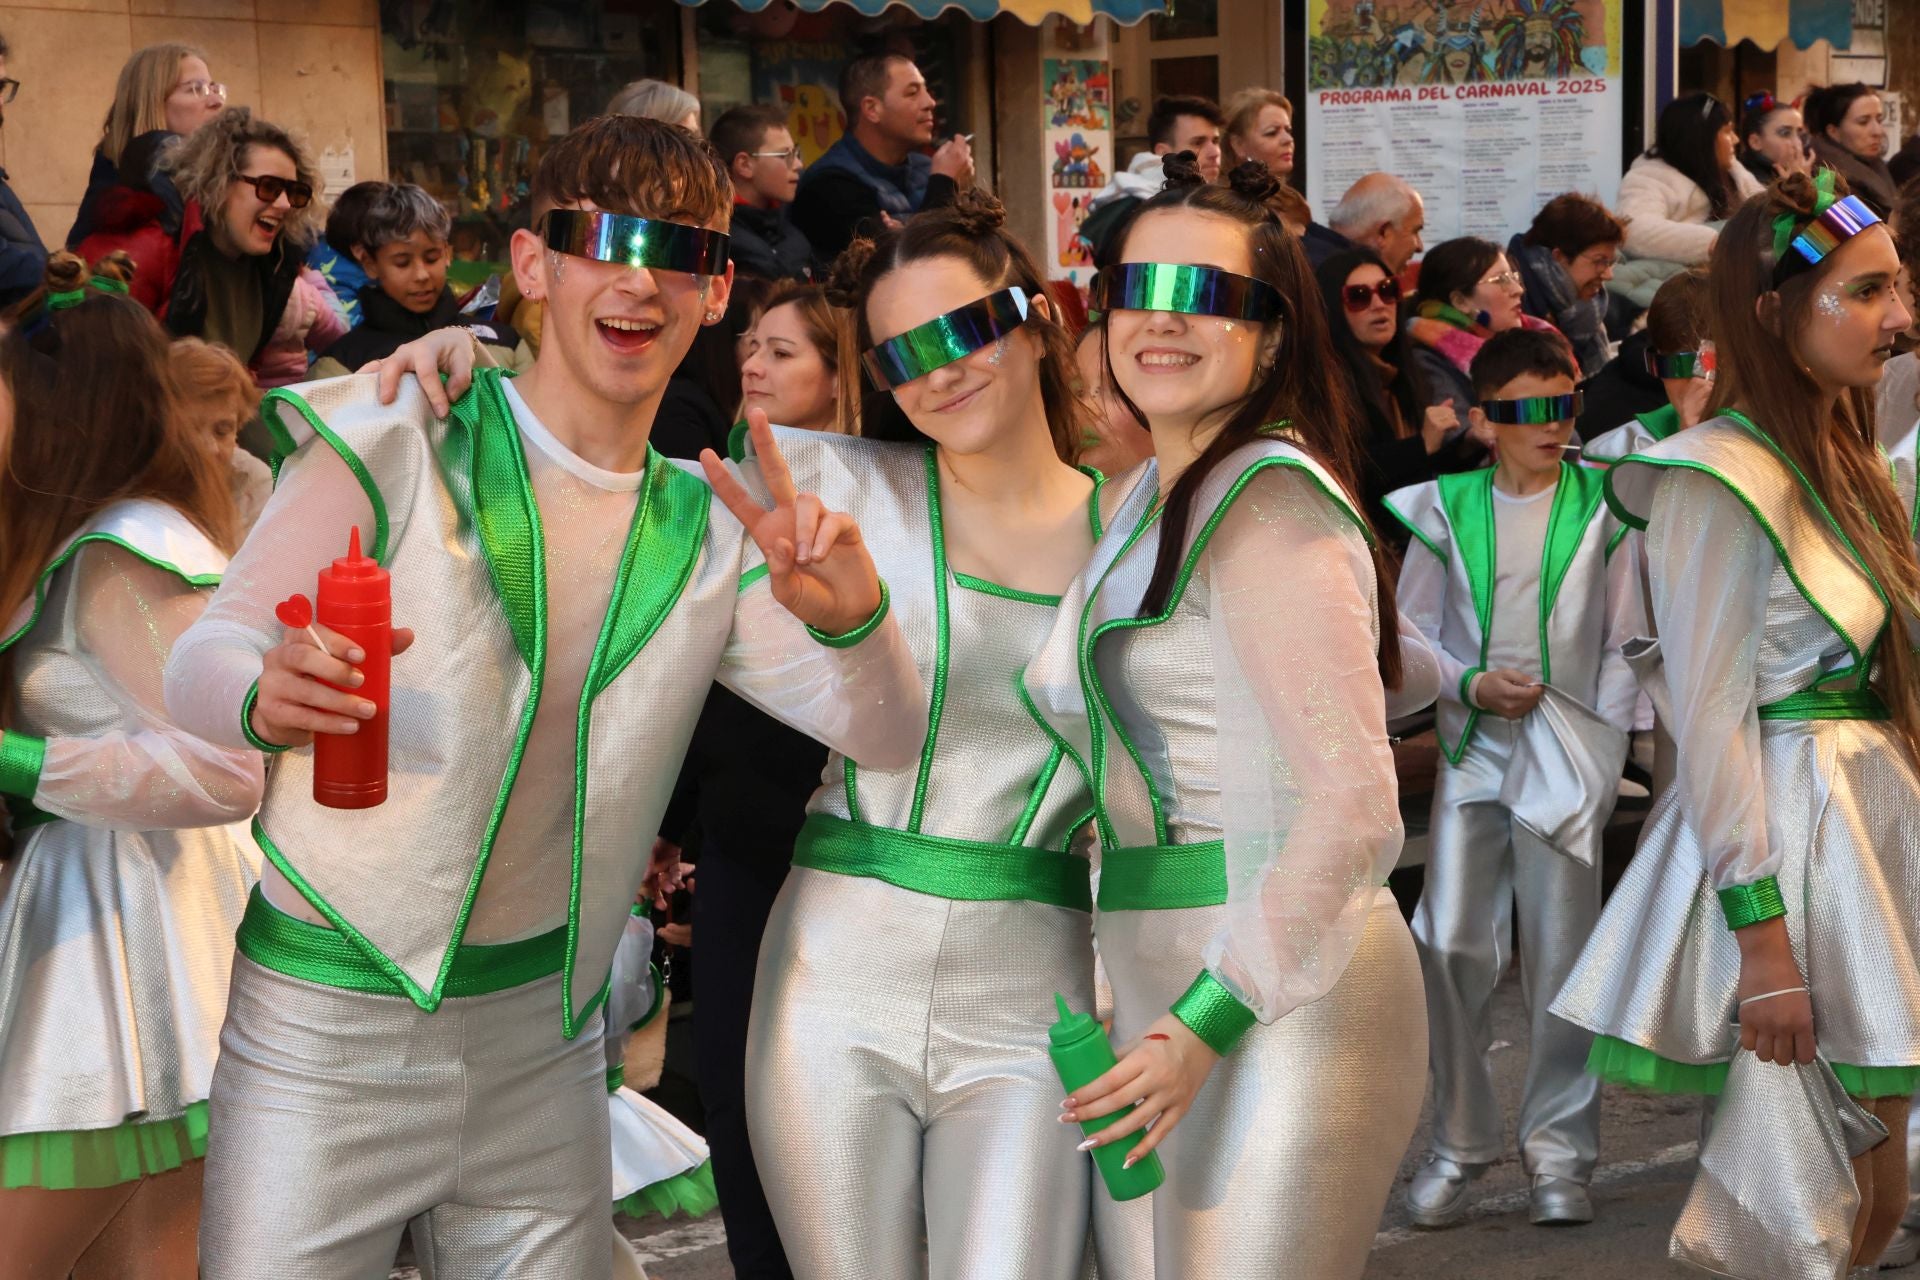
1359,297
270,187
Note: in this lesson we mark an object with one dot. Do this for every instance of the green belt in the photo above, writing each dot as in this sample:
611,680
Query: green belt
23,815
275,940
1828,704
962,870
1164,877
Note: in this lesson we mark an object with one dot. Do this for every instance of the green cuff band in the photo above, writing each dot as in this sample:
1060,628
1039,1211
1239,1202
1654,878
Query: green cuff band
1213,1013
1745,904
246,722
1466,683
20,761
851,638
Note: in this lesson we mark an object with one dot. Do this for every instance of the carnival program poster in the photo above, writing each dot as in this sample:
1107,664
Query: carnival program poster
1489,108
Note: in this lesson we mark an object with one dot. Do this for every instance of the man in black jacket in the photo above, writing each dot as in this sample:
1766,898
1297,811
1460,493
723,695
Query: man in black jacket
876,173
23,259
764,164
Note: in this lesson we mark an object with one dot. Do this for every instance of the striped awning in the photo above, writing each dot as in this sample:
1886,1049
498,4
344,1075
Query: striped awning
1031,12
1767,22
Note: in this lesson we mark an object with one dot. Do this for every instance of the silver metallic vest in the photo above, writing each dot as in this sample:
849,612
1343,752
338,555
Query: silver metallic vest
457,526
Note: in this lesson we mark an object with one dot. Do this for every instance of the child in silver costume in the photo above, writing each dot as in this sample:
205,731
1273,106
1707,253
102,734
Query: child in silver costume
1774,880
1513,578
1221,669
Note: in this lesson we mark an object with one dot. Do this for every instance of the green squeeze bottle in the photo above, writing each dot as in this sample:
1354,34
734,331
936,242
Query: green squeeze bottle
1082,1053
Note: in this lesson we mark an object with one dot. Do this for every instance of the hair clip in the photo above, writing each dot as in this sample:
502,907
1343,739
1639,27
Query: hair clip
1761,101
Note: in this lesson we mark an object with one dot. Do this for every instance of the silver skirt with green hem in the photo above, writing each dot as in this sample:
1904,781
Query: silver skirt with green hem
1618,1062
66,1159
1661,971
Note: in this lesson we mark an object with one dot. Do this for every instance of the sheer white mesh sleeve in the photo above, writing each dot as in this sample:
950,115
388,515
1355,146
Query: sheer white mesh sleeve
147,773
296,537
1311,805
1710,565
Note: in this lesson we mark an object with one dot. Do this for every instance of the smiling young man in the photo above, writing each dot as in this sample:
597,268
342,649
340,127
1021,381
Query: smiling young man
413,1035
1511,579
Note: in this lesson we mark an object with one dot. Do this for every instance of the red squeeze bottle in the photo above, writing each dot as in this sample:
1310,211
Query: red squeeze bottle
355,599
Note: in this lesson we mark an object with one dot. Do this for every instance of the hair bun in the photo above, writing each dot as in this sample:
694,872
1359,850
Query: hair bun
66,271
1254,180
976,213
1181,170
842,284
1796,193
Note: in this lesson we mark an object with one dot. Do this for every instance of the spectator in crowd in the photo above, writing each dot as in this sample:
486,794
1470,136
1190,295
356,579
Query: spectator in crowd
1905,164
1565,260
23,259
1175,124
764,163
332,254
1773,138
1382,213
1408,438
798,363
1468,293
876,173
1116,440
696,410
165,90
1675,198
1848,123
657,100
1260,127
403,250
219,398
242,280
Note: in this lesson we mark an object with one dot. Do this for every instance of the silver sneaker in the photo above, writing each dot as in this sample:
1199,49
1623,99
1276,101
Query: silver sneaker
1558,1202
1903,1250
1437,1196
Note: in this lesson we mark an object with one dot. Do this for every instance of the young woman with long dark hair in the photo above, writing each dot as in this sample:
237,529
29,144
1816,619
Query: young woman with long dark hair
1675,198
116,929
1222,670
1783,590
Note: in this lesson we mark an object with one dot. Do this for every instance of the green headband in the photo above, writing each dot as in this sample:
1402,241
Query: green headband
1534,410
1189,290
74,297
637,242
945,339
1836,220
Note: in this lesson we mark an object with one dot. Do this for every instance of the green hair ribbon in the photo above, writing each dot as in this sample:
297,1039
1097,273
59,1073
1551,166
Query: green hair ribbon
74,297
1836,219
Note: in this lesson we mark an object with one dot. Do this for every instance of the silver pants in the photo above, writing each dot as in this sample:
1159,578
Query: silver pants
1281,1169
1481,865
898,1084
338,1119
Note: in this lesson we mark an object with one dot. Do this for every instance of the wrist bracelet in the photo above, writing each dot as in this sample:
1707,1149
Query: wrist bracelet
1784,991
246,722
1745,904
848,639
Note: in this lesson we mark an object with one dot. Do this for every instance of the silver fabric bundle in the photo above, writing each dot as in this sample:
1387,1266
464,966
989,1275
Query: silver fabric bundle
1561,780
1775,1197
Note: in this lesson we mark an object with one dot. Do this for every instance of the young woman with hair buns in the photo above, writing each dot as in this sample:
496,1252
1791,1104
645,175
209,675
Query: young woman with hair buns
1779,872
1223,669
116,925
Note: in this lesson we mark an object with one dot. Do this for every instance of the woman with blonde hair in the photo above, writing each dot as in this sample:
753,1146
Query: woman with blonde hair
657,100
165,91
1260,127
251,213
127,873
797,361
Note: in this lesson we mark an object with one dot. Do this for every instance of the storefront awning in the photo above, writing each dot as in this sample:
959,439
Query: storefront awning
1767,22
1031,12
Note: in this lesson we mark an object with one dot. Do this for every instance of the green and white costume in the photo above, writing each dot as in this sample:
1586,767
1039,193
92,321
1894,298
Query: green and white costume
129,871
1793,794
1496,582
416,979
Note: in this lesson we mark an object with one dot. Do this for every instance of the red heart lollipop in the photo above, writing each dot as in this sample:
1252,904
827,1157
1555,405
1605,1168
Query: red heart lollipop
295,611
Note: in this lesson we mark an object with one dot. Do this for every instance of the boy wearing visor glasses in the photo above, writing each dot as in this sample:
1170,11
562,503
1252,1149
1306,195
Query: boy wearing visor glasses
1511,579
414,1033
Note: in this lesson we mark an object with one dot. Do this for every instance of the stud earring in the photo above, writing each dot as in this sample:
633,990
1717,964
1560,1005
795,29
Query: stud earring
713,317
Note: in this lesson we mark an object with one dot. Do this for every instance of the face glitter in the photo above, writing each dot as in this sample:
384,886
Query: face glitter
1828,304
999,352
944,339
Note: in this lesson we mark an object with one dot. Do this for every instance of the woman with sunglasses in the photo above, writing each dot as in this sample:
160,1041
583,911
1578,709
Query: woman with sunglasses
1405,440
1222,669
241,279
1773,138
1468,292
